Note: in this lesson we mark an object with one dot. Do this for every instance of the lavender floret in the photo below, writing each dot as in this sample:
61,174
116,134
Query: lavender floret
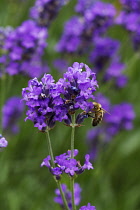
3,142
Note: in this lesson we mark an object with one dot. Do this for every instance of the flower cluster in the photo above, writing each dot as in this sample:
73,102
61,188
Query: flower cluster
12,111
68,196
44,11
49,101
3,142
66,164
120,118
23,49
129,18
80,30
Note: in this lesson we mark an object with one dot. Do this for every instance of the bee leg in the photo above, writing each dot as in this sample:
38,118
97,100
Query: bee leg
90,116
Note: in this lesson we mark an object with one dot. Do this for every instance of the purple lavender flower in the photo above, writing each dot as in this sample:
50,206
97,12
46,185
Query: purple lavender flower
23,49
78,87
67,193
49,102
40,99
44,11
12,111
88,207
65,164
131,5
3,142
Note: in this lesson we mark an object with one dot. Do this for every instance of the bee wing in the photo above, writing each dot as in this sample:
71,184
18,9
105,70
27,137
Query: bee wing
105,111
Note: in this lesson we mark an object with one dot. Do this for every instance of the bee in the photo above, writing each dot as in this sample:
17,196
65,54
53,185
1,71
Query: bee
98,114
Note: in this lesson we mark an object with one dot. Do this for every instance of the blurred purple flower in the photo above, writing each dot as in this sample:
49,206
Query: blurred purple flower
114,72
71,40
131,5
67,193
121,116
44,11
12,111
23,49
88,207
104,50
101,15
79,31
3,142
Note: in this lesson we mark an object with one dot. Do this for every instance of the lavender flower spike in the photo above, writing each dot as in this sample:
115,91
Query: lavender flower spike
3,142
66,164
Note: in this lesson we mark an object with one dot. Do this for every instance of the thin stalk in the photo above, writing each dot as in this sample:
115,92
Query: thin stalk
50,147
72,192
72,156
62,195
72,136
53,164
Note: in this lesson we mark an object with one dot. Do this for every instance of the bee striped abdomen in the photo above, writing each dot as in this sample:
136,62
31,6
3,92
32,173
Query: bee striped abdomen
98,118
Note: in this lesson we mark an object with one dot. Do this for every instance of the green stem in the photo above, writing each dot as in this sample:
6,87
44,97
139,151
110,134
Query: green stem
72,156
72,192
72,136
50,147
62,195
53,165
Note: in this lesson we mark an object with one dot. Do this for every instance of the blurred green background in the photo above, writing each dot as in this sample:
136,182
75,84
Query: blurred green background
114,184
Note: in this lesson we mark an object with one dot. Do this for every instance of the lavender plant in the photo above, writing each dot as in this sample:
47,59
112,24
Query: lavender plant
70,99
49,102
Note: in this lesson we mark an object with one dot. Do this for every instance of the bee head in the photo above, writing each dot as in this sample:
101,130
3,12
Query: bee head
97,106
